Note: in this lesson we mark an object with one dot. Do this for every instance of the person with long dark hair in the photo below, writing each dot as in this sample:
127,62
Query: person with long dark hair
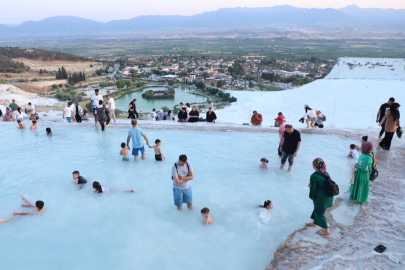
381,113
132,110
311,116
100,189
391,121
102,117
193,115
318,196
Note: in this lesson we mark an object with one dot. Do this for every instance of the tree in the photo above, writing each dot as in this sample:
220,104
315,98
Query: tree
221,83
64,73
127,83
171,83
205,75
251,85
200,85
120,84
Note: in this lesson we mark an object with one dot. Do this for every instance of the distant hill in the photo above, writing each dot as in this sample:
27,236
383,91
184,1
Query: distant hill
9,65
222,18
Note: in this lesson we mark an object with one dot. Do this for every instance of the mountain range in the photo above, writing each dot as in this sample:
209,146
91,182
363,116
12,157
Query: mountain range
223,18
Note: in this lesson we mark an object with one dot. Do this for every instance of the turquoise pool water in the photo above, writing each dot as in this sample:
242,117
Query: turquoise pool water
146,105
116,230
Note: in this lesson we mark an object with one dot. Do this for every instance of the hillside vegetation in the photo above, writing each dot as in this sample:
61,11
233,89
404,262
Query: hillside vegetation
9,65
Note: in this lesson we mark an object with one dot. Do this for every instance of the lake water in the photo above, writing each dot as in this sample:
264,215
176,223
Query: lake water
146,105
82,230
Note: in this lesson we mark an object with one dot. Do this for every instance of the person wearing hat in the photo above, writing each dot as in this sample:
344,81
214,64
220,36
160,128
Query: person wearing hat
279,119
211,116
95,103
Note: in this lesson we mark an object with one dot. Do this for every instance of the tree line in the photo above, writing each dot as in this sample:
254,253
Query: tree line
15,52
74,77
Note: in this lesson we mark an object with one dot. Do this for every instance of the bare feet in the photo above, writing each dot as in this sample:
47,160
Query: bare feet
4,220
190,206
323,232
132,190
310,224
179,207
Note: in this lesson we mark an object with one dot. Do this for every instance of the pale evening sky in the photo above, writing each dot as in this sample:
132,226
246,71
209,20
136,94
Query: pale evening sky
17,11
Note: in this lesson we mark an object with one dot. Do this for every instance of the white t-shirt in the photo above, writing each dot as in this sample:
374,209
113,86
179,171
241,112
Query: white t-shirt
68,111
95,100
112,103
354,153
188,110
32,109
310,114
152,116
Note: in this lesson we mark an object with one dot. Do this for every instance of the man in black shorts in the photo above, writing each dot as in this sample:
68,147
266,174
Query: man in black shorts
289,146
381,113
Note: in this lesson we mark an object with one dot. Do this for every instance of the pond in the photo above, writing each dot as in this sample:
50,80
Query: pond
144,230
146,105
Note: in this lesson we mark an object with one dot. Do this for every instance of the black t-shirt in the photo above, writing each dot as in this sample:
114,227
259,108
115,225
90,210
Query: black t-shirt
384,108
291,141
81,180
211,117
182,115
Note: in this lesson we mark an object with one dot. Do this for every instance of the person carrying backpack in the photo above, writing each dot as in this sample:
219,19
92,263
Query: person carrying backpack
319,185
182,174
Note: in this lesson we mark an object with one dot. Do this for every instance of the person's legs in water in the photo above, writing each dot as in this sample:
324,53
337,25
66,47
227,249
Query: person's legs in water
290,162
143,152
280,154
95,117
188,197
283,160
102,126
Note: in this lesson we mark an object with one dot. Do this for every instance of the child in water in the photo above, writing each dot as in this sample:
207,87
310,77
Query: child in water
265,213
78,178
48,131
205,213
264,165
124,152
20,124
38,204
158,150
353,152
99,189
34,125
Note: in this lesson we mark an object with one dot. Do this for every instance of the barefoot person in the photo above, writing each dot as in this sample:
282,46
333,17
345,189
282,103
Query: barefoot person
136,134
205,213
95,101
68,113
384,108
111,107
100,189
182,174
39,205
318,196
256,119
311,116
289,146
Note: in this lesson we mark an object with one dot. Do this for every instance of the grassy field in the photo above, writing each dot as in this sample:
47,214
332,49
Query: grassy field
37,64
277,48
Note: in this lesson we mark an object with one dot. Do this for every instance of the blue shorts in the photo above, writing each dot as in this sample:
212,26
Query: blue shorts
125,158
181,196
135,151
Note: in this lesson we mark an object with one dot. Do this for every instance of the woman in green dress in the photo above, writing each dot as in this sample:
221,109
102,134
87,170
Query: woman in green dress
359,189
318,196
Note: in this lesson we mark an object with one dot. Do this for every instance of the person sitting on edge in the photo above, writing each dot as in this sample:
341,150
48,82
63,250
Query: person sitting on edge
205,213
20,124
158,150
136,134
182,174
279,120
78,178
38,204
152,115
353,152
48,131
99,189
264,162
34,125
124,152
182,115
256,119
211,117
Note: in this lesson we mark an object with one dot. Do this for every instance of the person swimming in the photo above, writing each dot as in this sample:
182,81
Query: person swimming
48,131
264,214
99,189
263,164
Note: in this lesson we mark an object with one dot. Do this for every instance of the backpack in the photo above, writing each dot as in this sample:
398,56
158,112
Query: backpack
331,188
374,174
175,165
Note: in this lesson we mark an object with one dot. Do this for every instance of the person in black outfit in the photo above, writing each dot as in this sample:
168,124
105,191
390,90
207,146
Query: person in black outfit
78,178
211,116
193,115
381,113
182,115
132,113
78,110
289,146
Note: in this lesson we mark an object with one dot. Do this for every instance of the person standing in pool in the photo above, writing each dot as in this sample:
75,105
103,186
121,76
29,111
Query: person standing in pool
318,196
102,117
182,174
111,107
136,134
289,146
68,113
95,101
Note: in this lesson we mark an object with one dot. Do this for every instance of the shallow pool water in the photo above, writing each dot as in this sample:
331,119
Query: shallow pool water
146,105
116,230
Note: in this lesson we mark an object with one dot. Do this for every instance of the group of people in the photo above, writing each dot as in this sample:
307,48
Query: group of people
102,113
14,113
388,118
185,114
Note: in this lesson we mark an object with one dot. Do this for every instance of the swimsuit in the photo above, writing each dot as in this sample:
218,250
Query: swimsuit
158,157
125,158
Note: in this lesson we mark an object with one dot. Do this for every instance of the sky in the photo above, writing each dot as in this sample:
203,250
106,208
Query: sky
18,11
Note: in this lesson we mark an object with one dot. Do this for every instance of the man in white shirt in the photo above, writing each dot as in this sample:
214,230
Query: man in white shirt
95,99
152,115
111,107
32,111
69,113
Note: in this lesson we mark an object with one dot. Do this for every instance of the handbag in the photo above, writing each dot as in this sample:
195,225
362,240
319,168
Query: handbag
374,174
399,132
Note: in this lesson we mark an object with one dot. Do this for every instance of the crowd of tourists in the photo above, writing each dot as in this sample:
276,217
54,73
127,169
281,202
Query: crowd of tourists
321,187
